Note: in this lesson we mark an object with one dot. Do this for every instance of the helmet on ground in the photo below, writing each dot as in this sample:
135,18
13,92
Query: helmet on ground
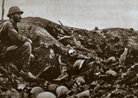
61,90
36,90
78,64
46,95
14,9
112,59
52,87
83,94
80,80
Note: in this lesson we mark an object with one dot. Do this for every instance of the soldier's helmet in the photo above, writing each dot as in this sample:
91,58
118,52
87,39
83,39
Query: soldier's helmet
52,87
14,9
80,80
61,90
36,90
78,64
46,95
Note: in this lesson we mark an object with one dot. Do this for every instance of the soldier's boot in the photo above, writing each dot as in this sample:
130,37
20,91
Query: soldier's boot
28,76
64,75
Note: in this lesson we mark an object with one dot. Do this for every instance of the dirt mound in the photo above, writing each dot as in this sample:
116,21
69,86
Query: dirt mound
97,40
105,77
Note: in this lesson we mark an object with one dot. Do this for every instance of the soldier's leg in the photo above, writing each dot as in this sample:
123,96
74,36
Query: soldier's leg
26,54
20,55
26,50
21,58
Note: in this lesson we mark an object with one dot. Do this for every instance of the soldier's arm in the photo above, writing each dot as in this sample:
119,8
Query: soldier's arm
15,36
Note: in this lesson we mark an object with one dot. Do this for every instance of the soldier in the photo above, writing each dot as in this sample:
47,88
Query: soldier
13,46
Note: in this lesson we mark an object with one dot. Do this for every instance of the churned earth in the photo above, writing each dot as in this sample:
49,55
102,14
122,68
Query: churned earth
50,39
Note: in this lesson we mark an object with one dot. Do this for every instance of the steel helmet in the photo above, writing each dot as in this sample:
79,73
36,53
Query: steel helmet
14,9
112,59
83,94
52,87
80,80
61,90
78,64
46,95
36,90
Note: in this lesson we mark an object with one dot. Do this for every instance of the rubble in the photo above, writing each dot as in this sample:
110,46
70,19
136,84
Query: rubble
107,68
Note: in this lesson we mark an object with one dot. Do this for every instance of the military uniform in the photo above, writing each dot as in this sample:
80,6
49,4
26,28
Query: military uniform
13,46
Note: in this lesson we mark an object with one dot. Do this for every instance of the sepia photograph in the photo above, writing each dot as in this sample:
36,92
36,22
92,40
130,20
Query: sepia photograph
68,49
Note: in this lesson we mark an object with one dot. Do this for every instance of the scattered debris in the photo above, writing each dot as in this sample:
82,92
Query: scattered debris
105,61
